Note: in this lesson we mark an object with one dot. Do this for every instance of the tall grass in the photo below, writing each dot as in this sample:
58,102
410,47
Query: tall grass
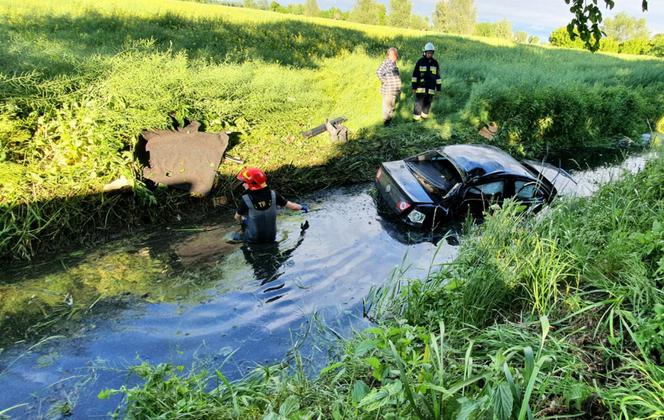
80,80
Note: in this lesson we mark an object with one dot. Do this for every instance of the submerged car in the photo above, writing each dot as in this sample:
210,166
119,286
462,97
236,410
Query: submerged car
437,185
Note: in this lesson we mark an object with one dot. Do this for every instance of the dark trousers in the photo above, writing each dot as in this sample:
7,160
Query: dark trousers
422,104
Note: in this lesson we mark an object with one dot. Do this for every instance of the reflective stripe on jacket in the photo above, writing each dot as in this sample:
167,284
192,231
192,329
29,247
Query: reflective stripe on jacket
426,76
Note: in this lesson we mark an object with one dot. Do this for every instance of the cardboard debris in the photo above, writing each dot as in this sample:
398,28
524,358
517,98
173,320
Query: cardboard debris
337,132
489,130
185,158
121,183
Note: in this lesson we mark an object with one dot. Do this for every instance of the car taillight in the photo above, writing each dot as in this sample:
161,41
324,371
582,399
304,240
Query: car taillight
379,173
403,206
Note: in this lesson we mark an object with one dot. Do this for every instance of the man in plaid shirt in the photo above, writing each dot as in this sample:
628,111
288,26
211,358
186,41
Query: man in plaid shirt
390,84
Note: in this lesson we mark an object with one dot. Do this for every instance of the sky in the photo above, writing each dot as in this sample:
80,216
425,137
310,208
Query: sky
537,17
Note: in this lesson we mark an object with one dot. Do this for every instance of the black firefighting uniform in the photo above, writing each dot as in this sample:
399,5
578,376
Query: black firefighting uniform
426,82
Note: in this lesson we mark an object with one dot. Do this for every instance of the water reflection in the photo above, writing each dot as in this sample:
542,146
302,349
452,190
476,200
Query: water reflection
409,236
266,261
206,247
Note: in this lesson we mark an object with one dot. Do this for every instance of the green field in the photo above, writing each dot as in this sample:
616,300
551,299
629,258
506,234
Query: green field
80,80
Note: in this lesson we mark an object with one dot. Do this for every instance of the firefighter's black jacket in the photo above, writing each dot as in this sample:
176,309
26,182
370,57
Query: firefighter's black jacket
426,76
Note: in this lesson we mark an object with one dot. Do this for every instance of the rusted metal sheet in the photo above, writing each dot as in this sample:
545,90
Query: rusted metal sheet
185,158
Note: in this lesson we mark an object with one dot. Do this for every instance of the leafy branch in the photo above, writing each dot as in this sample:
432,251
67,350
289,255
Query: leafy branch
587,20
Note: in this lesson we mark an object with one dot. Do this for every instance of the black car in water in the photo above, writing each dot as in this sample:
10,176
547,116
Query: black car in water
436,185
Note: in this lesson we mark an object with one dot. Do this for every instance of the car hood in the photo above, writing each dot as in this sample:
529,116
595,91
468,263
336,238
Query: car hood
559,178
405,179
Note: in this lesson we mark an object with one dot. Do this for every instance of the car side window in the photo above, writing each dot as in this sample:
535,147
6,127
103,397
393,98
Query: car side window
527,190
488,190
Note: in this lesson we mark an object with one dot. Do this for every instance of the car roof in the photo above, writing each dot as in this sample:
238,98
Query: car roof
480,160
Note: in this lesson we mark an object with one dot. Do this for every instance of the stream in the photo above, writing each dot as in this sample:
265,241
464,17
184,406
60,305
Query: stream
188,297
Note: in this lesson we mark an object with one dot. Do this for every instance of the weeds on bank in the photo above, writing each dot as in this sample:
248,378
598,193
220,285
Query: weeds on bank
595,265
386,372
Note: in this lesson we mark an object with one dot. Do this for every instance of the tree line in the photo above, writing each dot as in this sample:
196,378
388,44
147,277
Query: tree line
450,16
621,34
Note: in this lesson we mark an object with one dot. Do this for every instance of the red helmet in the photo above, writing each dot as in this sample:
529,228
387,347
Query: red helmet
253,177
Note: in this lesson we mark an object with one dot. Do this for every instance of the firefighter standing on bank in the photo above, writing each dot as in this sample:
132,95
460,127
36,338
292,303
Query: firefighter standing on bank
426,82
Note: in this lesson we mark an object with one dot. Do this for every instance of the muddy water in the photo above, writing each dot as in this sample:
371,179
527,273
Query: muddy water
188,297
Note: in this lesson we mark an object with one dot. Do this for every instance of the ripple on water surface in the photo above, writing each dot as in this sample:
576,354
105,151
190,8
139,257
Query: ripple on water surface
203,298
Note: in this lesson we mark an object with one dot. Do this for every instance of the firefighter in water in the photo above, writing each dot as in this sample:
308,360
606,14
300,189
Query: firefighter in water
426,82
258,208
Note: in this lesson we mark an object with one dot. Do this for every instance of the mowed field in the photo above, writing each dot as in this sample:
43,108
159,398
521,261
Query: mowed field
80,80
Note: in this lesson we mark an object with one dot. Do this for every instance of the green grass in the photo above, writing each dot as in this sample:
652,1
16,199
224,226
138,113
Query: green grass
80,80
557,316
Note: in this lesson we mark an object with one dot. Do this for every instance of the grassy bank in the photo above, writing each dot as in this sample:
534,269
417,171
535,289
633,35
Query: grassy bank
555,316
80,80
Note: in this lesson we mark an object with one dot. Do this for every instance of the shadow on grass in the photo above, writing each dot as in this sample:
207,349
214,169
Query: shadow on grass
46,226
72,40
39,227
35,229
90,220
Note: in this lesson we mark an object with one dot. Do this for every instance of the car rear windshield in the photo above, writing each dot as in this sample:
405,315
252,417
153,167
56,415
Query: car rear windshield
434,172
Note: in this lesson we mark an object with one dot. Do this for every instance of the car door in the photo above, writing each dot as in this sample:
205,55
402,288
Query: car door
477,198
